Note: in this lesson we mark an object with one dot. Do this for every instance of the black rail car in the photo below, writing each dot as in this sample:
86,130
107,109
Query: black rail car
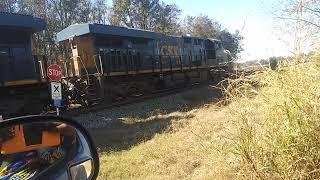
21,74
119,62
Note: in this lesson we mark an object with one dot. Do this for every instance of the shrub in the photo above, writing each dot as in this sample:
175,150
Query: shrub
277,134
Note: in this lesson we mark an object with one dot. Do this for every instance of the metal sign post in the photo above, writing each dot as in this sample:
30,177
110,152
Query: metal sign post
56,93
55,74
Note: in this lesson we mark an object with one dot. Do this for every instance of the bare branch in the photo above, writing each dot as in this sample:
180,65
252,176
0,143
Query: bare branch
315,12
297,19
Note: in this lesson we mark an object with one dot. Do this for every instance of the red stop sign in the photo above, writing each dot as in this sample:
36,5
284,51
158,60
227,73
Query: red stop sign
55,72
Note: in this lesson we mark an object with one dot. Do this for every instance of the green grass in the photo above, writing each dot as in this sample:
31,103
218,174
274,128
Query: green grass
268,129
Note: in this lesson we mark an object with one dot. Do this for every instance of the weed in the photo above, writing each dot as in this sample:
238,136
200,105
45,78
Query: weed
277,131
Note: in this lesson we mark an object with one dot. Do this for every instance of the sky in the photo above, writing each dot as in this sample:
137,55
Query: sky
251,17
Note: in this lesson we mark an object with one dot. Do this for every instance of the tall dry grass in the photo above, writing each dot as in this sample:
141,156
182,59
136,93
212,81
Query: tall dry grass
276,115
269,129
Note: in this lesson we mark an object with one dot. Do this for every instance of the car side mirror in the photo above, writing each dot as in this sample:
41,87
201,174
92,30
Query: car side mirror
46,147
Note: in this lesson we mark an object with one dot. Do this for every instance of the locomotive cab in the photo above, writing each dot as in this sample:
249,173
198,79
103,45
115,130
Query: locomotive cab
17,65
216,54
22,75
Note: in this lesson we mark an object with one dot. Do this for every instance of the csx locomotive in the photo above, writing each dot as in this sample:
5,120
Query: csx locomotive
22,82
104,63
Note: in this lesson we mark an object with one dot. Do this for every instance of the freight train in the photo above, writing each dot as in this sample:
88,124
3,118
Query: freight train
104,63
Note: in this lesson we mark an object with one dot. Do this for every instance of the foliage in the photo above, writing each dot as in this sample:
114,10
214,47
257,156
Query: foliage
146,14
270,130
203,26
299,23
154,15
100,12
58,14
167,21
8,6
231,42
306,12
277,122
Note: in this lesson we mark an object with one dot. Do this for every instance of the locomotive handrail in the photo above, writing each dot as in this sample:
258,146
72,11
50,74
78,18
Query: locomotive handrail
41,69
95,63
41,65
84,67
101,65
127,63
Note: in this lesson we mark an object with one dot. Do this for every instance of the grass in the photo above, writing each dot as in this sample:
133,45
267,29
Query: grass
186,149
276,115
268,129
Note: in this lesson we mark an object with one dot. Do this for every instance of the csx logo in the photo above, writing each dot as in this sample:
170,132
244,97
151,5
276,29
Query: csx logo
169,50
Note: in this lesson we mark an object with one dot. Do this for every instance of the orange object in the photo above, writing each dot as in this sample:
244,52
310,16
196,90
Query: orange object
17,143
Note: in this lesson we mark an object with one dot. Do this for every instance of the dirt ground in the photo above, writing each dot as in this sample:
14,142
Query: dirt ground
180,136
122,127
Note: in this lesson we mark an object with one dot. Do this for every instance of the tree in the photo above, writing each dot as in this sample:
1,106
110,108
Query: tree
167,21
201,26
122,13
65,11
8,6
230,41
204,27
59,14
38,8
146,14
100,12
300,22
152,15
84,10
306,12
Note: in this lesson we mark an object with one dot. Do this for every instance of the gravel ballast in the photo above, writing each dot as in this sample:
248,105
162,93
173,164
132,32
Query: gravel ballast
162,105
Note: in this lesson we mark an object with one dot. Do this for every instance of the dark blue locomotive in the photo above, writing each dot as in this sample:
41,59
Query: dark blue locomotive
17,65
105,63
22,77
128,61
95,48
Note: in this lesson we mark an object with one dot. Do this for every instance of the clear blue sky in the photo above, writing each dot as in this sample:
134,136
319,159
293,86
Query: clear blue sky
261,39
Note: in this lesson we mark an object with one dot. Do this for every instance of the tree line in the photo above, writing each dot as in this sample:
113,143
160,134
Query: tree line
154,15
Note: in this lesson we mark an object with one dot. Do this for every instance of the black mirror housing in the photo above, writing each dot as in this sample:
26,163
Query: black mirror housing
47,147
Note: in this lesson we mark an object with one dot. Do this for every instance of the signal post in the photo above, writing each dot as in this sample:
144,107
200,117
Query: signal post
55,74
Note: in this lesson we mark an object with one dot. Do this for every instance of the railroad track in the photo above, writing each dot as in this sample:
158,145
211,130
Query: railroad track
128,101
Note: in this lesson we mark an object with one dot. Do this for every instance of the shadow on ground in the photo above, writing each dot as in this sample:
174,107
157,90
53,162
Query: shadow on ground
122,136
133,126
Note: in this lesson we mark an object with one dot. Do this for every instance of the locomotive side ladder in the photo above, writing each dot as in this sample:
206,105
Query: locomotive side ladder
94,89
